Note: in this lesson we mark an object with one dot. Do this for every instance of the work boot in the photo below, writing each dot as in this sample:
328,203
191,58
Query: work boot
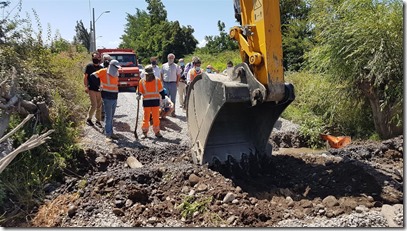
109,139
144,135
114,136
98,124
89,122
158,135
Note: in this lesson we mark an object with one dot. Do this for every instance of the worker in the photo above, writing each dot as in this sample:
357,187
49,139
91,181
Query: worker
92,89
152,90
210,69
182,85
195,70
189,65
109,87
166,107
106,60
156,68
170,75
229,69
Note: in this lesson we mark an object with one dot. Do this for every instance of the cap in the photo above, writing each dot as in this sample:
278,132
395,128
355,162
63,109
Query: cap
149,70
107,57
209,66
115,63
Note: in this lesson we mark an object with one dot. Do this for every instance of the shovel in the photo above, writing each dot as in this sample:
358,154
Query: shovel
138,109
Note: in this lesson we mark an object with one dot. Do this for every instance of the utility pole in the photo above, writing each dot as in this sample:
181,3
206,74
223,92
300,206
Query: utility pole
91,38
94,30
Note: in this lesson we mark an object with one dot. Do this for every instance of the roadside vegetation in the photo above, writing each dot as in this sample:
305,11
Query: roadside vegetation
347,72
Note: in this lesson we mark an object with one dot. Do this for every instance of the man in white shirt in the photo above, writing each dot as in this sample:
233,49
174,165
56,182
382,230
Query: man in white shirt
170,76
156,68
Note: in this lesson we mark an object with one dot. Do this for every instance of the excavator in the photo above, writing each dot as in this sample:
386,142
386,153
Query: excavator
231,118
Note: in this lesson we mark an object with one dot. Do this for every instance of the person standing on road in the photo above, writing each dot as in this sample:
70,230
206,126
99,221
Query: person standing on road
182,85
195,71
92,89
170,75
156,68
151,88
229,69
109,87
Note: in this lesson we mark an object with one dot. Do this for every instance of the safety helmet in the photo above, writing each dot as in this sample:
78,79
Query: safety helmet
165,91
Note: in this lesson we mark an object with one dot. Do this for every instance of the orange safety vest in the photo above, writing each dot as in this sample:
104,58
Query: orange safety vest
194,74
151,90
107,82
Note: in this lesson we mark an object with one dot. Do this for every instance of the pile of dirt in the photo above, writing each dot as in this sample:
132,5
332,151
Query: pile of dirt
153,183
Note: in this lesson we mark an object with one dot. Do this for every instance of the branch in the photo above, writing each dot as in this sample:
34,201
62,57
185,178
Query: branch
16,128
34,141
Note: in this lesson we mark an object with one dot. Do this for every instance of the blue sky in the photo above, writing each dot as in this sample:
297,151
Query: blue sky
62,15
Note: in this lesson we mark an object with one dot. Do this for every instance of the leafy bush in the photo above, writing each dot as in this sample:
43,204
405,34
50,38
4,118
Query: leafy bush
322,106
190,205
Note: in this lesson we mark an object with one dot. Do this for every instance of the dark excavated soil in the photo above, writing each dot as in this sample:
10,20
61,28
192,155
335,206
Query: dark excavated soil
295,187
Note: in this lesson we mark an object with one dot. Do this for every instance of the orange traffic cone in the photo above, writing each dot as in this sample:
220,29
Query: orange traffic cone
336,141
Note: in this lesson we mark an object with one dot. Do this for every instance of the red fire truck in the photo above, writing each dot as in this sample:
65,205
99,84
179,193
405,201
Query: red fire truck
129,74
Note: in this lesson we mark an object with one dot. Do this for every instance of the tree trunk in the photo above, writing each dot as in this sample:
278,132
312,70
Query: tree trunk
384,126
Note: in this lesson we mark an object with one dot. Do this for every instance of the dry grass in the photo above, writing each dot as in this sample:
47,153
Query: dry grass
49,214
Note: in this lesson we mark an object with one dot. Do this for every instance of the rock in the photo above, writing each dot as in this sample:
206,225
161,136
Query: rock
133,162
152,220
193,179
118,212
184,189
361,209
306,204
202,187
290,201
119,203
238,189
253,200
330,201
231,219
389,212
229,197
129,203
72,210
100,160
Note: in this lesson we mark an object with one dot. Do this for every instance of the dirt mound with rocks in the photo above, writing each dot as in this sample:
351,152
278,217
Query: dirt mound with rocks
153,183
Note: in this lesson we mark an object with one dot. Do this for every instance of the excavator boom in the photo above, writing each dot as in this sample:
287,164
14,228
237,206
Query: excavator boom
231,117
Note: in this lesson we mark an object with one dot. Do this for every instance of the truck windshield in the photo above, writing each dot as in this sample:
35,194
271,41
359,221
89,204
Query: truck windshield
125,60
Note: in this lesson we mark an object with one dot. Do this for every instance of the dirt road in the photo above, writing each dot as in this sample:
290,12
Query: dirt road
358,186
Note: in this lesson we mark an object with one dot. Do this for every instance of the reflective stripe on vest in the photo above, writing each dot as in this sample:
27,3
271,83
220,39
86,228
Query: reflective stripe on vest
150,95
107,82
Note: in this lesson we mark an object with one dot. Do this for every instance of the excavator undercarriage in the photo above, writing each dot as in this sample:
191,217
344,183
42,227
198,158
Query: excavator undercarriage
231,117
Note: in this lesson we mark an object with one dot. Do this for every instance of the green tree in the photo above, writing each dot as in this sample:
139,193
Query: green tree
360,44
157,11
82,35
221,42
151,34
297,36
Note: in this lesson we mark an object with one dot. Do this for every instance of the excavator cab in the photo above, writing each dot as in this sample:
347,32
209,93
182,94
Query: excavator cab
230,117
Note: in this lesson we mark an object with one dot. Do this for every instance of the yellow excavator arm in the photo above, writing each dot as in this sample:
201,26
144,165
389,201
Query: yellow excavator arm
230,118
260,42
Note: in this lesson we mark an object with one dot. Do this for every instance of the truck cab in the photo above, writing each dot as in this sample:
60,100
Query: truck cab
129,74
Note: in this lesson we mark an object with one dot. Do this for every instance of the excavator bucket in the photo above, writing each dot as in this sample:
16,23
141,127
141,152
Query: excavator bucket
225,120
